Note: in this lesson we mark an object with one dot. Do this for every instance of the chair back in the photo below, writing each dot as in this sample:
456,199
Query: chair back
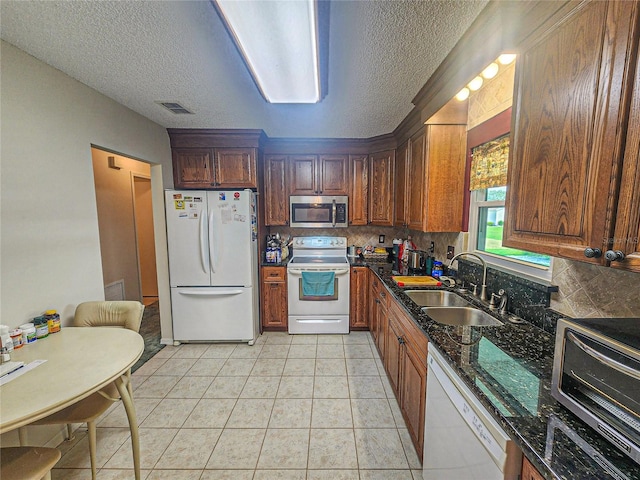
125,314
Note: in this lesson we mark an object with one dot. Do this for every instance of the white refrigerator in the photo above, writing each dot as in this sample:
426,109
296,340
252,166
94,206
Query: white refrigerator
213,265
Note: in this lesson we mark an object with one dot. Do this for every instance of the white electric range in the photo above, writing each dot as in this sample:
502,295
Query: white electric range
319,262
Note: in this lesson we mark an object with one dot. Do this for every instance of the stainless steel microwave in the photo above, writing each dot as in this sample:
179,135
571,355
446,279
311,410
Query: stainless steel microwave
596,375
322,211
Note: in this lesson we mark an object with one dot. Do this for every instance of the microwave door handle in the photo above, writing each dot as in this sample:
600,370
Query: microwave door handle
626,370
334,210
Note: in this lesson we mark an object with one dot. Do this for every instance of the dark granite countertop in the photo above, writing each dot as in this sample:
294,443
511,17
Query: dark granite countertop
509,369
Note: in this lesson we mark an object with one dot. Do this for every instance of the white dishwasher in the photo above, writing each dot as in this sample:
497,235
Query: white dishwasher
461,440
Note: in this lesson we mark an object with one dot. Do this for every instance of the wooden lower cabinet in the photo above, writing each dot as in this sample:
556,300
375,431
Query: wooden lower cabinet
405,362
413,389
529,472
273,293
377,312
393,355
359,299
403,349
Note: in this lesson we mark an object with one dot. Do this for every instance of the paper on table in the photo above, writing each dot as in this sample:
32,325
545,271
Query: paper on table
20,371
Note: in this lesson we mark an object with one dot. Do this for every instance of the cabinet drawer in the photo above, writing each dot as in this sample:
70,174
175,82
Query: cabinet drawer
273,274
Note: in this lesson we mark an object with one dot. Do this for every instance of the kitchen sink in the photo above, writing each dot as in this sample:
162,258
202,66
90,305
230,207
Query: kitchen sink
461,316
436,298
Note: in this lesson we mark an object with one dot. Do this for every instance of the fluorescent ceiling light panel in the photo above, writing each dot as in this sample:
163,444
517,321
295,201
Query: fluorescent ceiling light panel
279,42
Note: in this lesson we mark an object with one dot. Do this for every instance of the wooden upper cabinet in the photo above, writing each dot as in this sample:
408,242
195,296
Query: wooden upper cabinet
215,158
303,178
436,167
627,230
381,188
235,167
193,168
573,85
401,190
276,197
319,175
214,168
333,175
358,189
416,203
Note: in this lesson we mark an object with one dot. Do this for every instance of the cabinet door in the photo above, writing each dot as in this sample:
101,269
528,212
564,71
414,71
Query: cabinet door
412,395
571,87
383,321
358,189
393,354
235,168
417,180
193,168
627,232
529,472
359,299
274,297
374,306
401,190
446,147
276,197
333,173
381,185
303,175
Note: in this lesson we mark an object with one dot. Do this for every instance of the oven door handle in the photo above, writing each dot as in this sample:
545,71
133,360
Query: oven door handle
298,271
620,367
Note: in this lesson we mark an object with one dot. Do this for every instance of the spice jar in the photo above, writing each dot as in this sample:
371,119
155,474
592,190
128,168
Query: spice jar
53,320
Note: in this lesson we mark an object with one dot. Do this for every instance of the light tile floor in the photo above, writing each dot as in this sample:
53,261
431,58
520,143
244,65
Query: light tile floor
290,407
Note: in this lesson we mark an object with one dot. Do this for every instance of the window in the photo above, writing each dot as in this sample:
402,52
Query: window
486,221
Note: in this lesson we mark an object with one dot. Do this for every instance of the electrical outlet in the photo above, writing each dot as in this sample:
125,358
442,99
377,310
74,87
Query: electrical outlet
380,238
451,251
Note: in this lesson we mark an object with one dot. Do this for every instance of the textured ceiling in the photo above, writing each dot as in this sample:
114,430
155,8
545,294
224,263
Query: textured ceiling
140,52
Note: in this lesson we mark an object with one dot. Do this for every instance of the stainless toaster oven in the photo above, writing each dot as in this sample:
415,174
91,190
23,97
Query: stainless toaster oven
596,375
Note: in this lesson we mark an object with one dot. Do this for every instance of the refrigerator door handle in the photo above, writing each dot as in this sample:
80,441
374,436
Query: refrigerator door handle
212,246
203,252
211,293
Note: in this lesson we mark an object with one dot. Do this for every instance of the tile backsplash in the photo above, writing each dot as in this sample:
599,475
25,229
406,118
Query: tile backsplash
584,290
368,235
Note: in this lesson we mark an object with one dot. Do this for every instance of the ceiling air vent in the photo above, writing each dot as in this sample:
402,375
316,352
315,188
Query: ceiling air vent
175,108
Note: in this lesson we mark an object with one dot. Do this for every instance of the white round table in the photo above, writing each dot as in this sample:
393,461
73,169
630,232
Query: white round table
79,362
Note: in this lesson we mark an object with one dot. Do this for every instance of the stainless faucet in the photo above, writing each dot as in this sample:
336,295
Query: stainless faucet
483,288
499,301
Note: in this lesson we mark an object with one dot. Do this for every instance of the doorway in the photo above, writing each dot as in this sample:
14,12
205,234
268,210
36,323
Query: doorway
125,222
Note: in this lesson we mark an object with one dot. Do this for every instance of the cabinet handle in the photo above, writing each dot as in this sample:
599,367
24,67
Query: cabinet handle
377,301
592,252
383,294
401,340
614,255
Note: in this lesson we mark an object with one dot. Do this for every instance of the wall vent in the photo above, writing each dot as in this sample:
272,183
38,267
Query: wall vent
176,108
114,291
